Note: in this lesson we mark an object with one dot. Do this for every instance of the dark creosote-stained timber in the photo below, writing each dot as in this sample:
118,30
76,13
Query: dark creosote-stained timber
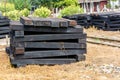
104,20
4,26
47,37
47,22
51,45
46,41
51,53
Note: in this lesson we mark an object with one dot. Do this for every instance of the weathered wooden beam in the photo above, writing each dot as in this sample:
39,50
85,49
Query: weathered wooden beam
82,40
72,23
16,25
26,21
41,61
51,45
19,33
47,22
4,28
55,30
55,22
4,31
4,24
49,53
97,23
4,20
3,35
114,25
19,50
115,22
47,37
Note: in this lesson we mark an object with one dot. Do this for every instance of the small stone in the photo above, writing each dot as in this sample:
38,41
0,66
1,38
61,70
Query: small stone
85,76
107,68
102,78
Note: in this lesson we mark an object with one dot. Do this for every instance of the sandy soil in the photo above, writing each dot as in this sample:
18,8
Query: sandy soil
94,32
102,63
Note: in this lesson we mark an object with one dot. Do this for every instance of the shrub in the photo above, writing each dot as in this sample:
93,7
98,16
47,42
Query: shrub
42,12
9,7
16,14
70,10
13,15
24,12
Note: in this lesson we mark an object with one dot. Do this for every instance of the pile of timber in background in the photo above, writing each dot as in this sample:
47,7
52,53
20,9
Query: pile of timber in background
82,19
99,20
114,21
4,26
104,21
46,41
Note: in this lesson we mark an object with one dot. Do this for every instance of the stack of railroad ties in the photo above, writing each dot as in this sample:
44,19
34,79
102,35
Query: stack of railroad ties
4,26
82,19
46,41
105,20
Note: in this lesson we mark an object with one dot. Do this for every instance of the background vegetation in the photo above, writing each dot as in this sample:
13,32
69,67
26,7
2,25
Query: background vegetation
16,8
70,10
42,12
8,7
16,14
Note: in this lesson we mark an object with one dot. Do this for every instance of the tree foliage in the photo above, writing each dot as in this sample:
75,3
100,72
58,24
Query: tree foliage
7,8
20,4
